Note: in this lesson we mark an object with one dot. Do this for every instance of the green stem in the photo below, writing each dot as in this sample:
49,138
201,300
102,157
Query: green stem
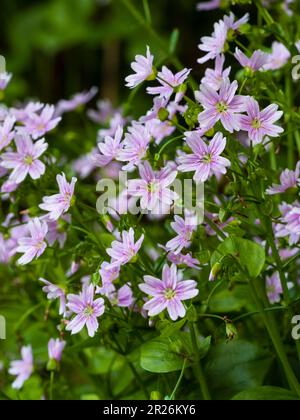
290,135
51,385
198,366
172,397
147,12
214,227
276,340
166,144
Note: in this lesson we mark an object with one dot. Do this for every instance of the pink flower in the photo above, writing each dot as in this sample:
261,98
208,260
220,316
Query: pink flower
289,223
158,104
26,160
76,101
22,368
160,130
214,78
213,45
37,125
23,114
59,204
224,106
168,293
35,245
152,188
143,67
117,121
233,24
208,5
103,113
123,298
135,146
278,58
5,78
258,123
84,165
55,349
205,159
288,179
184,229
169,81
183,259
57,229
125,250
274,288
6,132
109,274
87,311
55,292
256,62
109,149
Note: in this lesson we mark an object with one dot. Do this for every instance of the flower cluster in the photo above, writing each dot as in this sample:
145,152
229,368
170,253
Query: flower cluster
147,261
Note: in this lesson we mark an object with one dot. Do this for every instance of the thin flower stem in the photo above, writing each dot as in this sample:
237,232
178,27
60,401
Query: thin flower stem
147,12
172,397
166,144
273,309
214,227
198,366
290,135
51,385
276,340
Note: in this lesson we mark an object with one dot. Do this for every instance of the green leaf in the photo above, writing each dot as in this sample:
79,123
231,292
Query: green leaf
233,300
236,366
163,354
250,255
266,393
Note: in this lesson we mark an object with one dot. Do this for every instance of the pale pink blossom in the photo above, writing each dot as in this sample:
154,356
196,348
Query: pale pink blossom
169,81
153,188
206,159
59,204
7,132
168,293
34,246
23,368
288,179
143,68
26,160
55,349
55,292
38,124
109,149
214,45
214,77
259,123
125,250
135,146
224,106
87,311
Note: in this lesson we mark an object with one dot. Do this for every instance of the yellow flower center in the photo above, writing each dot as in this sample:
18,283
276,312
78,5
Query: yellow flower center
169,294
221,107
256,123
89,310
28,160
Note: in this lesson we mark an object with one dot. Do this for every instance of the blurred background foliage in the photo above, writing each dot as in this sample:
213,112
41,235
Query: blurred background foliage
58,47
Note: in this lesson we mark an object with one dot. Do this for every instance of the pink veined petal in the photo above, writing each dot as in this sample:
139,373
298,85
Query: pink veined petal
217,144
155,306
175,309
77,324
37,169
92,325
